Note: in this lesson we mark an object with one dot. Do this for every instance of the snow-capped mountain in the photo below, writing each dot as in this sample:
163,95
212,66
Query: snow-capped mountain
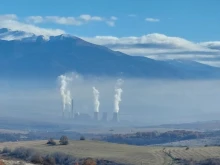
7,34
27,55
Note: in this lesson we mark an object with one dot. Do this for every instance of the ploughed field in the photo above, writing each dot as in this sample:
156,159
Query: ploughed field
194,153
120,153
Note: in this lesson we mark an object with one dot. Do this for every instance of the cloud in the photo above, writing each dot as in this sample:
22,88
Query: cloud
13,35
12,22
211,44
152,20
211,63
62,20
74,21
87,17
35,19
113,18
8,16
161,47
110,23
150,40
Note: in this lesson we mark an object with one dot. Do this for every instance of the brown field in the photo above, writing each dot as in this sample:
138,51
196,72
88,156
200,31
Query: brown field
121,153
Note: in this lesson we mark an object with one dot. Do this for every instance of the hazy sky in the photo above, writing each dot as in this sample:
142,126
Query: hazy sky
147,101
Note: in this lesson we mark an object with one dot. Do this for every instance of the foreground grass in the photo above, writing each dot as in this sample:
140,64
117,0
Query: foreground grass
121,153
114,152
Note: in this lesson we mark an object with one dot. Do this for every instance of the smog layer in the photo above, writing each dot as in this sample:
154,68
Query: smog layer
146,102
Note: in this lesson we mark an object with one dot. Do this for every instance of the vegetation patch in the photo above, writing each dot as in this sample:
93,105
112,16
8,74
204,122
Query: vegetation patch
51,142
149,138
64,140
58,158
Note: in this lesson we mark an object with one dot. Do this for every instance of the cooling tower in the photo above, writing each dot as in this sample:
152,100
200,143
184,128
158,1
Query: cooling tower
96,116
63,114
105,116
115,117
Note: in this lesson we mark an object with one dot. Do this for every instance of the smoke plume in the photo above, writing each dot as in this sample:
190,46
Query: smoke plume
118,92
64,91
96,99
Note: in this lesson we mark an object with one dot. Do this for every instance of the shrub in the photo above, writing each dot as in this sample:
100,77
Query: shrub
61,158
37,159
82,138
23,153
64,140
6,150
89,161
49,160
51,142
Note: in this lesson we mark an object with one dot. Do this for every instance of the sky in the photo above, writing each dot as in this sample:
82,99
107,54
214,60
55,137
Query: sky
196,20
157,29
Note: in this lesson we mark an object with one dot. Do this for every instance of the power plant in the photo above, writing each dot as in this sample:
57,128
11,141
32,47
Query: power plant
80,116
68,102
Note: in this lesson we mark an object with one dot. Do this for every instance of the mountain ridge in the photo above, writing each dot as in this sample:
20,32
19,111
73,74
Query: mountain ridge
37,56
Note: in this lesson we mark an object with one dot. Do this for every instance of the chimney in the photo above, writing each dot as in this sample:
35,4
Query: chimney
105,116
96,116
72,104
63,114
115,117
76,115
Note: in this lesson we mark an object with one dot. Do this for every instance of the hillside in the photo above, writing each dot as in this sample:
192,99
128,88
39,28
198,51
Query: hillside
36,56
125,154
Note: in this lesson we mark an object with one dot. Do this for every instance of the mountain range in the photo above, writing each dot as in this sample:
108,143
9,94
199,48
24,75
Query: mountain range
27,55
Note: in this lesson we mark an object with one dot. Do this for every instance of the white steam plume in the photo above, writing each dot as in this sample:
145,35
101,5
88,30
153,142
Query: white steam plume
118,92
64,91
68,98
96,99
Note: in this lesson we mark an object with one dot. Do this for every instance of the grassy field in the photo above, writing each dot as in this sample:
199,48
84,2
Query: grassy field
195,153
122,153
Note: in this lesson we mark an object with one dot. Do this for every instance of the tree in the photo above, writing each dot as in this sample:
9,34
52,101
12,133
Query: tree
64,140
82,138
51,142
